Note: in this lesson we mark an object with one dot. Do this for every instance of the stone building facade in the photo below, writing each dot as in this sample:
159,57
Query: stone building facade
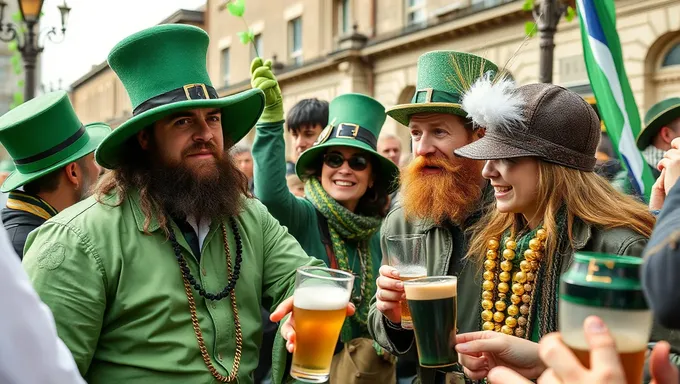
324,48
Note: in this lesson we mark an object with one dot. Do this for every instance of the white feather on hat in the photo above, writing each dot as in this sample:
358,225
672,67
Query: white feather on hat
494,104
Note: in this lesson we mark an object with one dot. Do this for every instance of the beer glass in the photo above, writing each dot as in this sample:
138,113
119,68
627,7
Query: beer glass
405,254
607,286
432,301
319,309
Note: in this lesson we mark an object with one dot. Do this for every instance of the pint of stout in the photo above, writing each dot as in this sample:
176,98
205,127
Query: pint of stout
607,286
432,301
405,253
319,309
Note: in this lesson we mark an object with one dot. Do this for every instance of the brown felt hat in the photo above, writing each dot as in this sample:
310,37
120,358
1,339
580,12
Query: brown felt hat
558,126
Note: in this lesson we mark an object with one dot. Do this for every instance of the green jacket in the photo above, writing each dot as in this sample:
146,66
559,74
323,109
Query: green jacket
119,302
445,247
297,214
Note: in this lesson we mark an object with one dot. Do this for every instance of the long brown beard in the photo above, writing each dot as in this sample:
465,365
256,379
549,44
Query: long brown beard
213,195
449,195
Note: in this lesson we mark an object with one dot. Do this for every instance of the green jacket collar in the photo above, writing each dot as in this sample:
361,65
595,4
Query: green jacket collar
140,218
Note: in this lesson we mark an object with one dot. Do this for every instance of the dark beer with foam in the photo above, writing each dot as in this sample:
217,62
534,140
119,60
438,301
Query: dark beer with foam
432,303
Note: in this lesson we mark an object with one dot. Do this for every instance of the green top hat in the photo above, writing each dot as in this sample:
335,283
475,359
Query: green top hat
43,135
163,71
443,78
355,121
660,114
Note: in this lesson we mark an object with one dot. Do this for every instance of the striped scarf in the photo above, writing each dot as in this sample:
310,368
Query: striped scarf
344,225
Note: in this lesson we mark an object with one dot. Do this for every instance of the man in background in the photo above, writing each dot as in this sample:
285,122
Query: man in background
390,147
305,121
662,125
54,154
244,161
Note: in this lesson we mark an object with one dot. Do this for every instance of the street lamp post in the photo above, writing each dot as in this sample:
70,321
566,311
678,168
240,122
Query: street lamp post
547,14
28,38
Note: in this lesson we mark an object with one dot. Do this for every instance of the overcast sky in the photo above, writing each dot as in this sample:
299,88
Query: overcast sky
94,27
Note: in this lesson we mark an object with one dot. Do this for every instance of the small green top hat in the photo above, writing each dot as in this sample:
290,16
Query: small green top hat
43,135
443,78
163,71
660,114
355,121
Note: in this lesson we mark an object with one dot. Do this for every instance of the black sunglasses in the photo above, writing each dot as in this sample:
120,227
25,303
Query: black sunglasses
336,160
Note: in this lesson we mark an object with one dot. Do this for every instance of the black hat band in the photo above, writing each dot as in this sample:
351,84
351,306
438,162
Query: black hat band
187,92
51,151
355,132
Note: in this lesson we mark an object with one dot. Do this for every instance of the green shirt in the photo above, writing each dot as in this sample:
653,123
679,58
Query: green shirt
118,297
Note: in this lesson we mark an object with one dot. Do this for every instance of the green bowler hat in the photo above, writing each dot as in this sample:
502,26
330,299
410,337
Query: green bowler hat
443,79
660,114
163,70
355,121
43,135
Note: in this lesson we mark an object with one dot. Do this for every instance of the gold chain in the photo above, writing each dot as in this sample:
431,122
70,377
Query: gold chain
237,324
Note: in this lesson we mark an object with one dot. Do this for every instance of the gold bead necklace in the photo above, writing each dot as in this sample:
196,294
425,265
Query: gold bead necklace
497,285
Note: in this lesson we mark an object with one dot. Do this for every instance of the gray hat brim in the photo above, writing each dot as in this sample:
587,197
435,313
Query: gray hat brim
491,148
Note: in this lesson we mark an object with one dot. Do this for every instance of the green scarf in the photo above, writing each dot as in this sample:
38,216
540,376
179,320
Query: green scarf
344,225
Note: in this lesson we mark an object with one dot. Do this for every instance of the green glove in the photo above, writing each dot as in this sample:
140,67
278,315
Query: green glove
261,76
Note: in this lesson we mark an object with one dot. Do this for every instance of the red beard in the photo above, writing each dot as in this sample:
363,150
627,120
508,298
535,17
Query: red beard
451,194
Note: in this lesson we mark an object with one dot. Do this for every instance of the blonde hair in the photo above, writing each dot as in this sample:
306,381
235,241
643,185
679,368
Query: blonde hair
585,195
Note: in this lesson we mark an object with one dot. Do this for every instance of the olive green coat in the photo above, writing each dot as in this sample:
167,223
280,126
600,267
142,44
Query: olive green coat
445,247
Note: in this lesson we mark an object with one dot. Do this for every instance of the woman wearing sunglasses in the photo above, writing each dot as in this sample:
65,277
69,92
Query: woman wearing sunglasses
540,145
347,184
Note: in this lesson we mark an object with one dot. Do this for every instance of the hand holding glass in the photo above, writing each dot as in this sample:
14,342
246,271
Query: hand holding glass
319,308
405,254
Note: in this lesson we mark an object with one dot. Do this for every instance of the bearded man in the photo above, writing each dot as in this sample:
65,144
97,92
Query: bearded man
441,196
160,276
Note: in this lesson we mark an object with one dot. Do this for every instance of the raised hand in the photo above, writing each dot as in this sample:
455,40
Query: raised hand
262,77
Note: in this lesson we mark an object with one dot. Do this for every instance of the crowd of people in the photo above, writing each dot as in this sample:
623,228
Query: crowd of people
166,250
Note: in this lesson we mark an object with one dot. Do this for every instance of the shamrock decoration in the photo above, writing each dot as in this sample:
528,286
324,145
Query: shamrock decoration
237,8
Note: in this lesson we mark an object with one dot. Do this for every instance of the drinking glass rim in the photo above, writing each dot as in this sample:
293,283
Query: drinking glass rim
406,236
430,279
303,271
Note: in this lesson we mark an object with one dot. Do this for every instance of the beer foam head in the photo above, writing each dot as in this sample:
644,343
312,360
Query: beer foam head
626,341
430,289
321,298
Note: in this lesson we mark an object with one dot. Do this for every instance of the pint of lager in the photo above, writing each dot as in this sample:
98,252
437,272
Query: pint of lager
405,253
319,309
432,301
607,286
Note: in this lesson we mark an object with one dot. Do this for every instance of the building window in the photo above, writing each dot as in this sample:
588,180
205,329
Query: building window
343,17
672,57
295,40
259,47
415,11
225,67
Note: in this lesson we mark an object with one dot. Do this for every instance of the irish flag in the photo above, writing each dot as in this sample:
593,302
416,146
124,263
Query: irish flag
615,101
